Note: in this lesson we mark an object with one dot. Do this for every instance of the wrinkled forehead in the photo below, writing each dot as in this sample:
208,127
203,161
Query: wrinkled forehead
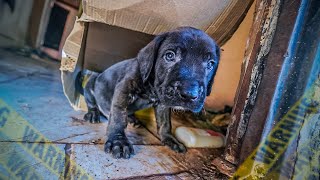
189,40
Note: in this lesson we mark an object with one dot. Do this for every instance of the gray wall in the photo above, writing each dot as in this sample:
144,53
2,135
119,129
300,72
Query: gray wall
14,26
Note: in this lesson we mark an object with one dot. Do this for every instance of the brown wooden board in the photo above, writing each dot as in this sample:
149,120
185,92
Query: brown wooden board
272,67
264,56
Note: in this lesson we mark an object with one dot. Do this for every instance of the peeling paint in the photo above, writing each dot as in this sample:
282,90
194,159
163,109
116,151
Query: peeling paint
268,31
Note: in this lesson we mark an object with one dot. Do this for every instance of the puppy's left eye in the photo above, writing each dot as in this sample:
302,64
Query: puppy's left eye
169,56
210,64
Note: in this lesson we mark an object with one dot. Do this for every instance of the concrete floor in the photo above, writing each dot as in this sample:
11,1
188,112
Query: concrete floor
32,90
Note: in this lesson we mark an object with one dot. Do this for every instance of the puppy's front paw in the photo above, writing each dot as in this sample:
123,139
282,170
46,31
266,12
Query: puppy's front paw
93,116
174,144
119,146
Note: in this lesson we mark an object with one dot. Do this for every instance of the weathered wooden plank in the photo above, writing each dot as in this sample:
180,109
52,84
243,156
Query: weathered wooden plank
272,66
272,27
148,162
261,36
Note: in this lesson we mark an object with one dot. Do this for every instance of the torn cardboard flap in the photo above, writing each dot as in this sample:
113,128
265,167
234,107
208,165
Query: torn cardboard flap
154,16
72,46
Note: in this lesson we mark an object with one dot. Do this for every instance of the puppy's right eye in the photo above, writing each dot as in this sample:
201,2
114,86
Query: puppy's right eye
210,64
169,56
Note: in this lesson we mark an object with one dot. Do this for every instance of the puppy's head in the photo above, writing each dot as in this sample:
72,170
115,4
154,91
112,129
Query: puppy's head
181,64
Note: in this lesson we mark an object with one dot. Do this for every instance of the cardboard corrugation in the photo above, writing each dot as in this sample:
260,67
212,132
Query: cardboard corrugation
72,46
154,16
228,20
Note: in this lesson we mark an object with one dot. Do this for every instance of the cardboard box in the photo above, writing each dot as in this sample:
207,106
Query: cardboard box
110,31
155,16
219,19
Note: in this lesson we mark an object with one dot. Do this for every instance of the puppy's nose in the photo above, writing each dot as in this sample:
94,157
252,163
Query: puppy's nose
190,91
190,94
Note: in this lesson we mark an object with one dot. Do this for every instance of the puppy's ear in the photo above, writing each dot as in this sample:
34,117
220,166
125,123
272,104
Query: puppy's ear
217,59
148,55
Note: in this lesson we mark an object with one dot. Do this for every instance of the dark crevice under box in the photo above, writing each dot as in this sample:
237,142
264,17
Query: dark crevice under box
107,45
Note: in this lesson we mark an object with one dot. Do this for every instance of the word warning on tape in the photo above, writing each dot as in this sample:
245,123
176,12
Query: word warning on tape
22,146
267,160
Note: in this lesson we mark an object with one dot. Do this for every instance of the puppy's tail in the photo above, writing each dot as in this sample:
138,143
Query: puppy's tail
78,83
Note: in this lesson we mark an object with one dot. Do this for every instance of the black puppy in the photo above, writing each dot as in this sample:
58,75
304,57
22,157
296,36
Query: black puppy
175,70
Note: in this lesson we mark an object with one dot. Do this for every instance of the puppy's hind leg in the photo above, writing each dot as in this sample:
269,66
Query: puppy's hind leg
93,114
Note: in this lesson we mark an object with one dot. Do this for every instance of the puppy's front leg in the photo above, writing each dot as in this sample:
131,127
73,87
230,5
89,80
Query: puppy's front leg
164,129
117,143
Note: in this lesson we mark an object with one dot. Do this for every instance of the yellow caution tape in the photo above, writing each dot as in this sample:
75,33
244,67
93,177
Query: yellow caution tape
306,168
14,128
298,165
15,165
85,80
269,151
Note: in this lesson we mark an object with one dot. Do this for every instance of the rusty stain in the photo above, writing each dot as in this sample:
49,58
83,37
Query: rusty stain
107,165
74,135
78,120
155,176
224,166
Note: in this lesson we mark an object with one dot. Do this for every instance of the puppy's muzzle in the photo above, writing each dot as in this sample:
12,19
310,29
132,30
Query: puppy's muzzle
185,90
